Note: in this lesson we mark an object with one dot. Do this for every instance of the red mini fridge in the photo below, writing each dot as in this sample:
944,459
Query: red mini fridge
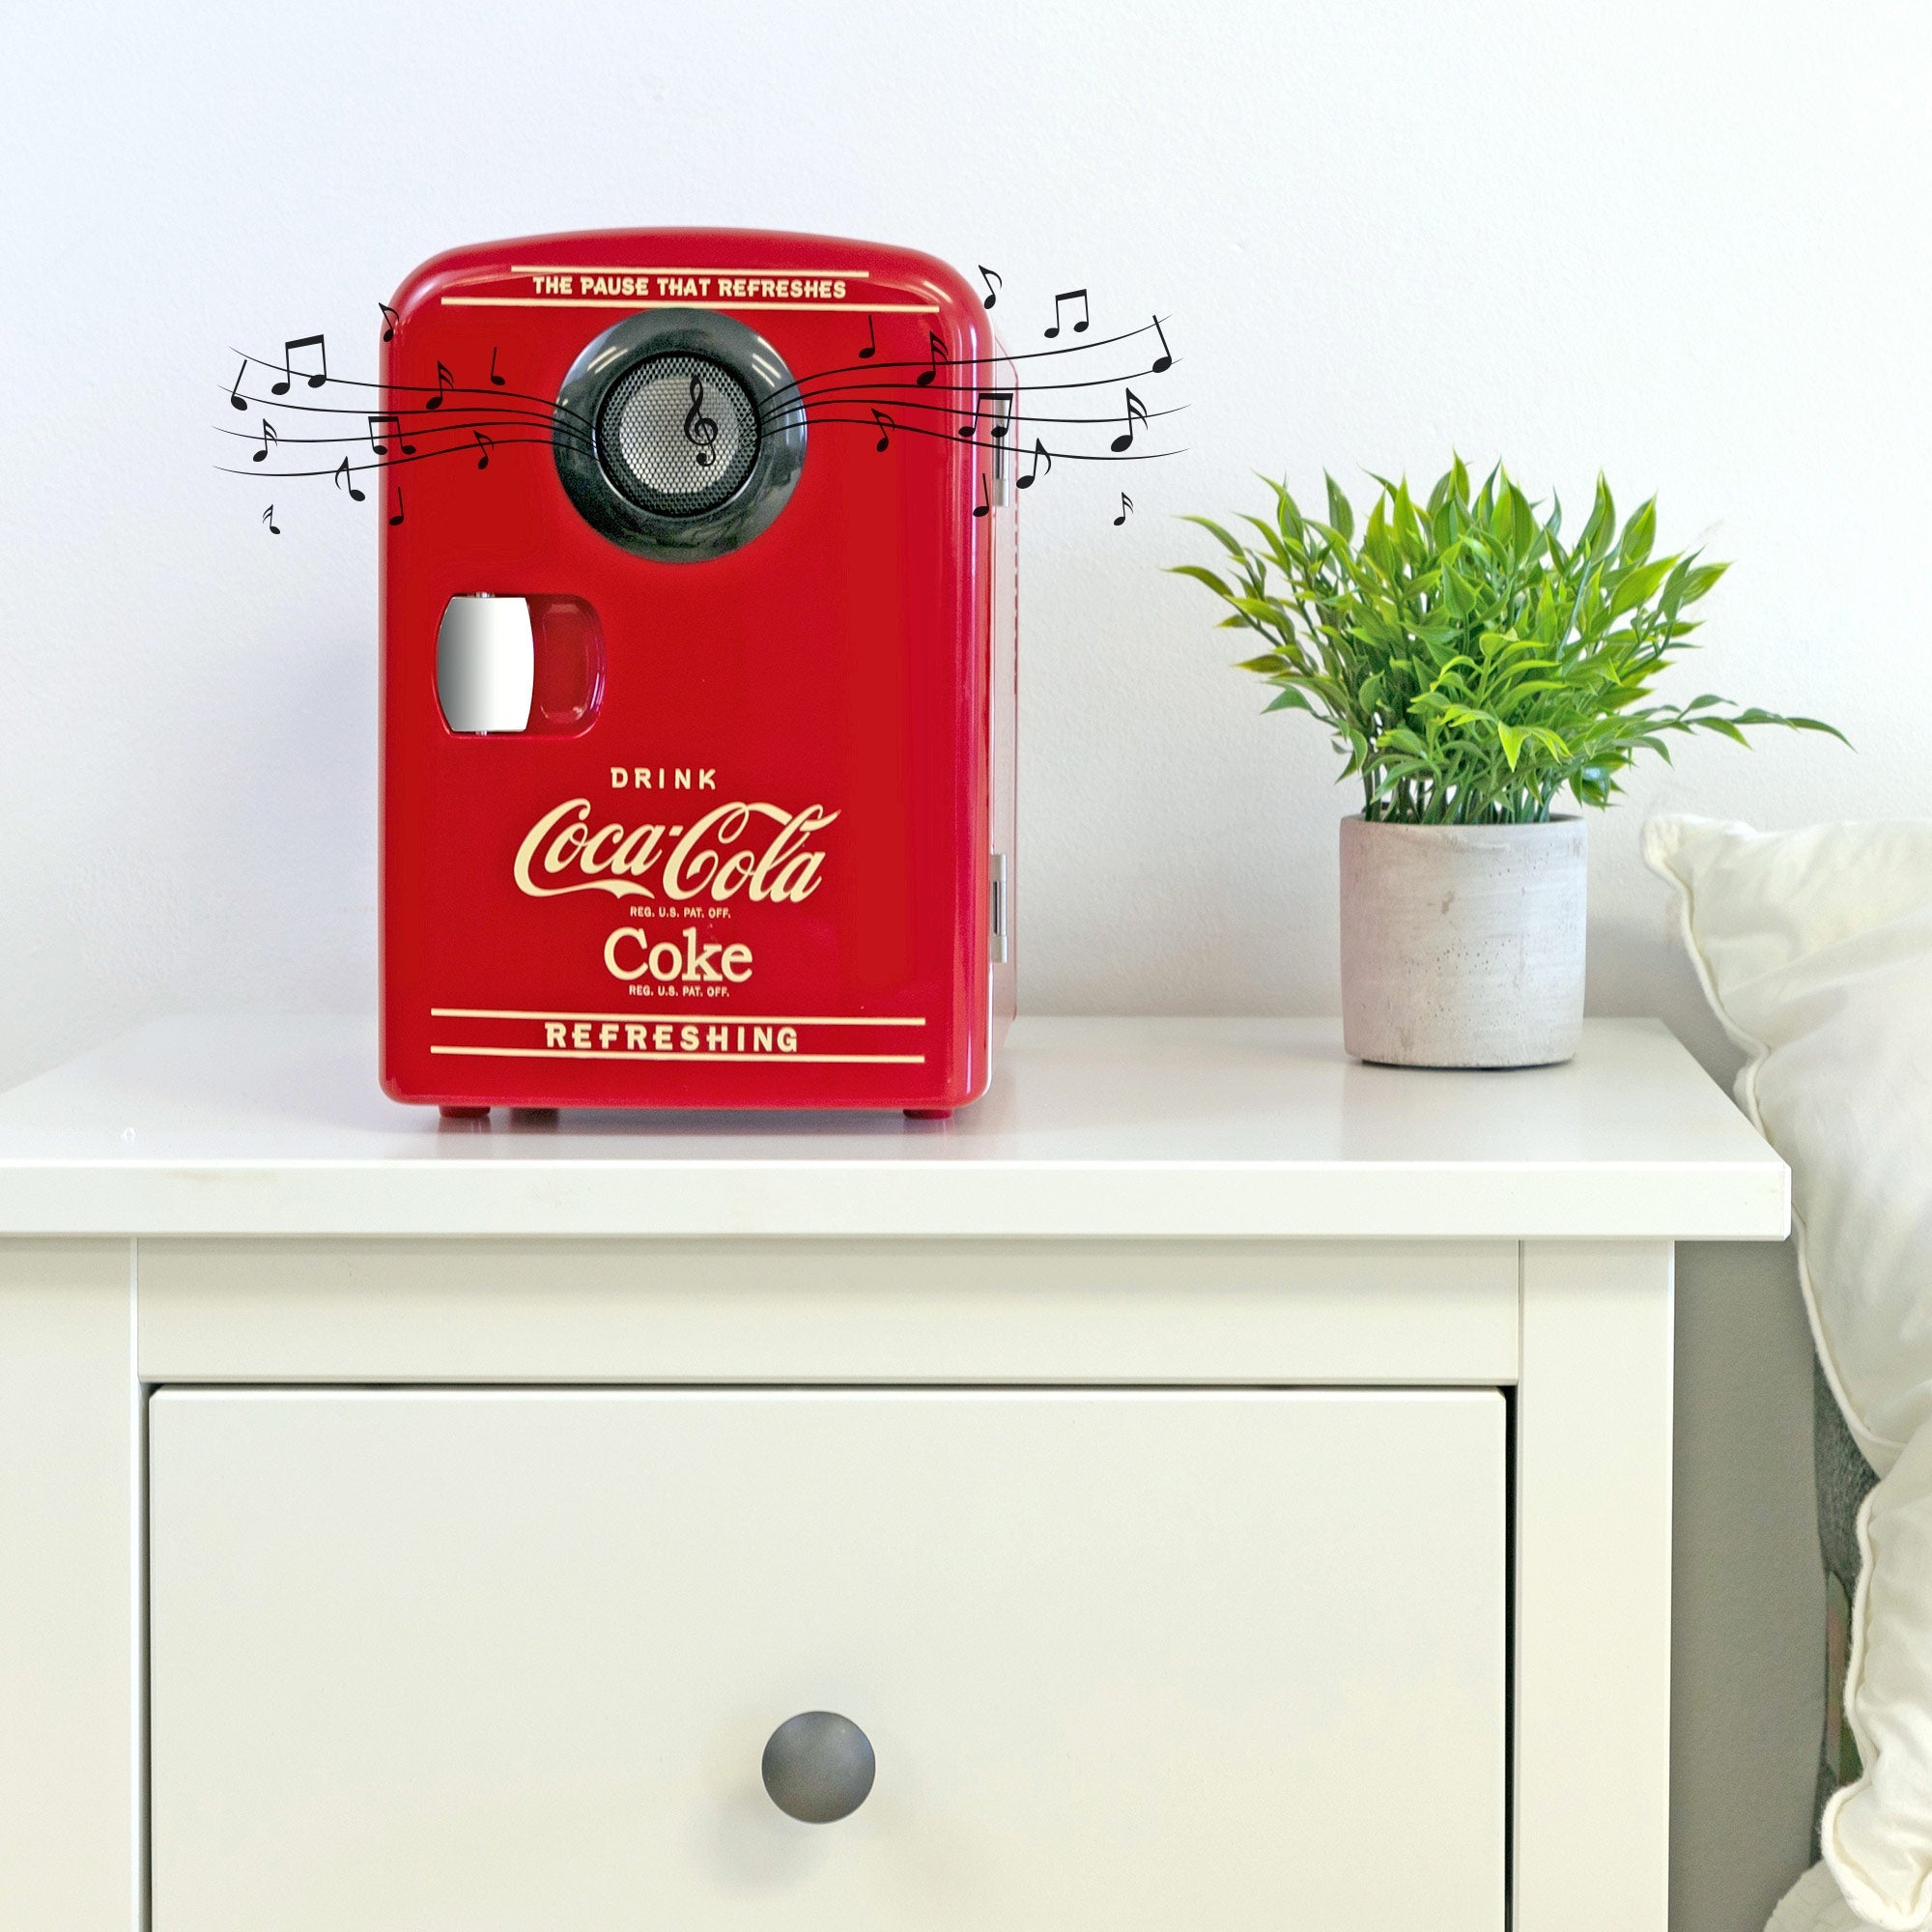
698,615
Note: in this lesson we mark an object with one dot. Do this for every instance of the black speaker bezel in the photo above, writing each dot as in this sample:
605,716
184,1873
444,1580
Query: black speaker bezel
757,503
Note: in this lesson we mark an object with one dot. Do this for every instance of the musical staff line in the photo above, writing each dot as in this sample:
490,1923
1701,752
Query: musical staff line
943,437
396,387
909,393
412,423
355,470
991,447
964,363
418,421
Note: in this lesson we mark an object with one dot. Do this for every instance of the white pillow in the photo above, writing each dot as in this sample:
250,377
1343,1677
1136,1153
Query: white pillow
1815,948
1814,1904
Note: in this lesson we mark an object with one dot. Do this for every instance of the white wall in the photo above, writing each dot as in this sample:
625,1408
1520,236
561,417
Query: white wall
1681,240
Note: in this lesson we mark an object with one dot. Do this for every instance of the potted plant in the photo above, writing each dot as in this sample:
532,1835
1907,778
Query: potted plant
1471,668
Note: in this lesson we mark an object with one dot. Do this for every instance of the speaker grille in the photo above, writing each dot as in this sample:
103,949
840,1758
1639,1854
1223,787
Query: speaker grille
678,435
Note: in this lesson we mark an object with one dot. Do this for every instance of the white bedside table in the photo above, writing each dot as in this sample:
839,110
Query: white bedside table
1227,1484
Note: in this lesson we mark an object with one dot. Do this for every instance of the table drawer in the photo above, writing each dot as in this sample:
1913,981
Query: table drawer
507,1660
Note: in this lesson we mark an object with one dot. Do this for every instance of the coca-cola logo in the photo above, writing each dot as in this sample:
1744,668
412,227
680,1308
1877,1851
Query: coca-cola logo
760,850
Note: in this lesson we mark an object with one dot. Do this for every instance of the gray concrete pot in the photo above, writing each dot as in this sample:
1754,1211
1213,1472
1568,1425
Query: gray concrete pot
1462,944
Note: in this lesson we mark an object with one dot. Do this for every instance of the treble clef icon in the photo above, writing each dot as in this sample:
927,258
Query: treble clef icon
699,431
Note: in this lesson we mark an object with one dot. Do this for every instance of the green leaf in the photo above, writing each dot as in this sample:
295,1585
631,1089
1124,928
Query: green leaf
1287,699
1639,587
1603,523
1216,531
1640,533
1340,514
1523,527
1200,575
1286,513
1702,580
1263,610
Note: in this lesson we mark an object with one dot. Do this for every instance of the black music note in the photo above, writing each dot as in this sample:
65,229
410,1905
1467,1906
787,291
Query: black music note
925,377
398,517
886,427
389,321
1040,454
395,428
268,436
699,430
289,371
345,474
1080,327
1126,505
493,377
269,518
444,382
1004,421
1135,408
871,347
483,446
980,508
234,396
989,276
1163,361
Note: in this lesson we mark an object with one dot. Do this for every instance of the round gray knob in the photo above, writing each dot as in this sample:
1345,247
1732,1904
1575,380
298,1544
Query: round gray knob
818,1767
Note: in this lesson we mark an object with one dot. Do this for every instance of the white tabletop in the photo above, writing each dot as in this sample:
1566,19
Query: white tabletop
1137,1128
